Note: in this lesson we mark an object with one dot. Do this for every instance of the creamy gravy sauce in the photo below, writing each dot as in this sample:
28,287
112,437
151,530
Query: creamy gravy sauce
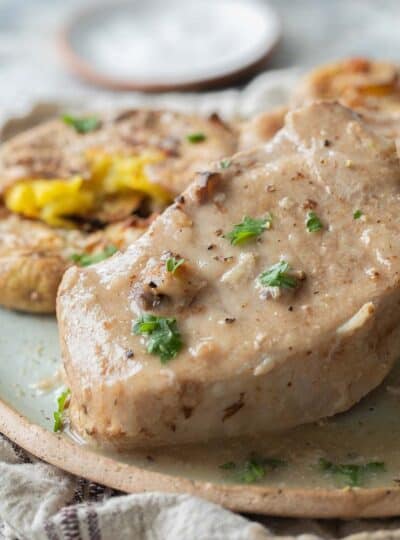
370,431
309,353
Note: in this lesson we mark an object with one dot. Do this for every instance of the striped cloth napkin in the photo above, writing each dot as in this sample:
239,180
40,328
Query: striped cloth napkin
40,502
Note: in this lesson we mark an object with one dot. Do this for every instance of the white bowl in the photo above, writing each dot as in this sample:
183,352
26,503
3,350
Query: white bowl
165,44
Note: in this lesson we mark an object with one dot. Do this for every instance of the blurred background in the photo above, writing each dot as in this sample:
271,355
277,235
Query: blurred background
313,31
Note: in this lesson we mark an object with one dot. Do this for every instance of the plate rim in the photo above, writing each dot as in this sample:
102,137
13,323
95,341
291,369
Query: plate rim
80,67
62,452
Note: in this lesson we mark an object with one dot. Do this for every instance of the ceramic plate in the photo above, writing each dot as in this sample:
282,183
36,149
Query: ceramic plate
166,44
297,487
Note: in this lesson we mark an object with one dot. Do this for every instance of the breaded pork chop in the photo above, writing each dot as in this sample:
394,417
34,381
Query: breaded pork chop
266,297
78,189
372,88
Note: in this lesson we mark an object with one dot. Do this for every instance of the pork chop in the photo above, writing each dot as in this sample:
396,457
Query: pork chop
267,296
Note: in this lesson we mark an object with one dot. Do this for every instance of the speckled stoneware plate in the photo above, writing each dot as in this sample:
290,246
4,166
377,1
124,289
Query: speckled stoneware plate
297,487
170,44
370,432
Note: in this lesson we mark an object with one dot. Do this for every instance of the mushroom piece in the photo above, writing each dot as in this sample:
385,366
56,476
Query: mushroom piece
161,290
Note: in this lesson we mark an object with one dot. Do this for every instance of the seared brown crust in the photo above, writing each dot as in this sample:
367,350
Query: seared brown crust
33,256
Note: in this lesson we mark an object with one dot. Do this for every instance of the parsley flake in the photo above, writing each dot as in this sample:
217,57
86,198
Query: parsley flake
82,125
86,259
228,466
254,469
225,163
357,214
248,229
351,474
58,415
195,138
313,223
173,264
164,339
278,276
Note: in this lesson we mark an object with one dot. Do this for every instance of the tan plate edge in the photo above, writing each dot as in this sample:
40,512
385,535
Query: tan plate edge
78,460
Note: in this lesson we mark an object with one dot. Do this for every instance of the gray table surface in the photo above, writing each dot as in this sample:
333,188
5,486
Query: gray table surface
313,31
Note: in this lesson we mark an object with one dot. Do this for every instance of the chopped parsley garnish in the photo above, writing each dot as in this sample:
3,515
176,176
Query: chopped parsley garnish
225,163
86,259
196,137
253,469
228,466
313,223
164,339
351,474
58,415
248,229
278,276
357,214
82,125
173,264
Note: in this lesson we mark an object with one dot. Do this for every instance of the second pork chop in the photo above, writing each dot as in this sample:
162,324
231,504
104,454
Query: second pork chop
266,297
